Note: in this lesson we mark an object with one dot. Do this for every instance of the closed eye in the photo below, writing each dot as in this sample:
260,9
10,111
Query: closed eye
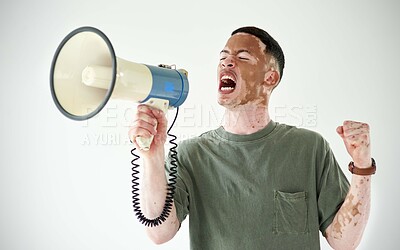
244,55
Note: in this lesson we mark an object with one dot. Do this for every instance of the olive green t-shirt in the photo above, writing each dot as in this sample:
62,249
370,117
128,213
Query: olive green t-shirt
274,189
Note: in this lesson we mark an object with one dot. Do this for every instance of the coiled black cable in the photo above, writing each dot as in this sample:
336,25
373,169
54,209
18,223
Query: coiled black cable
170,189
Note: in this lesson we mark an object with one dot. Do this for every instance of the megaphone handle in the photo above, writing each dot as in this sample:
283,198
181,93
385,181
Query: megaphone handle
145,142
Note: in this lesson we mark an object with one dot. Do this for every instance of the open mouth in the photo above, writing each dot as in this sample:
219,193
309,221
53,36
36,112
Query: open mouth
227,84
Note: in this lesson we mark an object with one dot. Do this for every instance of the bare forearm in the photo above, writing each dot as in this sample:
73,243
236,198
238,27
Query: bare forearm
346,230
153,200
149,121
154,187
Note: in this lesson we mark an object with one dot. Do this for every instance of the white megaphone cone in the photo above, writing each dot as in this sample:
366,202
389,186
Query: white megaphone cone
85,74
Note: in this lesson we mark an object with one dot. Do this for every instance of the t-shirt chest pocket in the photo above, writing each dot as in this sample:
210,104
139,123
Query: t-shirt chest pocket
290,212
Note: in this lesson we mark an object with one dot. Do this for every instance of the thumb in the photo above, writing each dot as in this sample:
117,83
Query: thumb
340,131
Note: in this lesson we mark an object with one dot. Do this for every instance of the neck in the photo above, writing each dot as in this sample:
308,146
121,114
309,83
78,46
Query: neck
246,119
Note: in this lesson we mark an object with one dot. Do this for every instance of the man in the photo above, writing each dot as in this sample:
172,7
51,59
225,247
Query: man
254,183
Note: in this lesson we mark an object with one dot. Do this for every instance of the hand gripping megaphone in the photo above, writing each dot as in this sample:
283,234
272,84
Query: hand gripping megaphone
85,74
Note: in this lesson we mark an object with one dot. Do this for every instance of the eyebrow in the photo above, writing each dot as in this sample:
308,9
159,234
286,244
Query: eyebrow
238,52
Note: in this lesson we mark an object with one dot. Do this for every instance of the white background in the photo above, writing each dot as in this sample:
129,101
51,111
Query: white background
66,184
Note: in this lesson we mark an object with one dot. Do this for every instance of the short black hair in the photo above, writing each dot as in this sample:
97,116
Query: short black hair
273,47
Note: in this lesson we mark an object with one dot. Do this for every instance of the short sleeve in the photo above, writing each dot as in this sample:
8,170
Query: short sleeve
333,187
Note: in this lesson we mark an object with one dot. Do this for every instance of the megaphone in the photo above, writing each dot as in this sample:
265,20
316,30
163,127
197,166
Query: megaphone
85,74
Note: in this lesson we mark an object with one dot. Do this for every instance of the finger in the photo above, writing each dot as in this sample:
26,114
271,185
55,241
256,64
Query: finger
355,131
152,111
348,124
144,108
138,132
358,140
146,117
158,114
354,124
141,125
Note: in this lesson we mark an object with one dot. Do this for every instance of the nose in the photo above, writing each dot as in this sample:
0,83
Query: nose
228,62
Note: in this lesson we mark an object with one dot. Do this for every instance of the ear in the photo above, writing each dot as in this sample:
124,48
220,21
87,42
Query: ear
272,78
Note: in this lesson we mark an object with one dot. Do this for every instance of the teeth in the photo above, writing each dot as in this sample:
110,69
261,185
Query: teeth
225,77
227,88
